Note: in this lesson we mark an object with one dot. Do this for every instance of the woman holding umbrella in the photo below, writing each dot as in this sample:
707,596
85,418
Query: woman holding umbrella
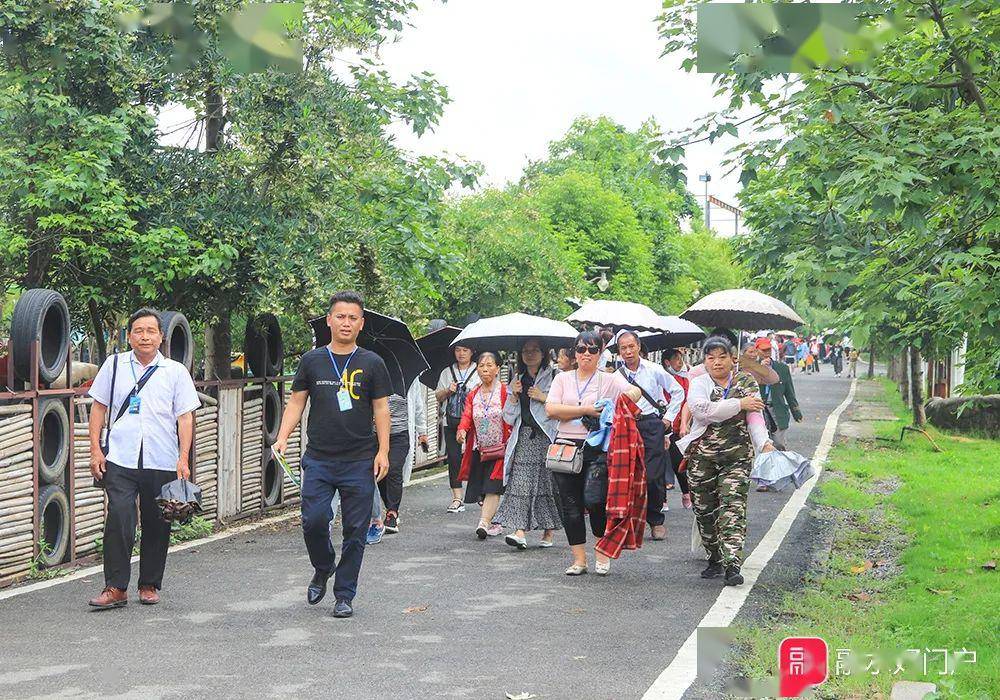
454,384
727,427
529,501
484,433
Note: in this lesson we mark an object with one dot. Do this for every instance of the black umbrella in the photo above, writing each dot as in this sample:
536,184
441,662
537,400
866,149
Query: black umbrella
390,339
436,347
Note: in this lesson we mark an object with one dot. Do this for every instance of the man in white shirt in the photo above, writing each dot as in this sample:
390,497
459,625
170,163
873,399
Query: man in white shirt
150,401
654,423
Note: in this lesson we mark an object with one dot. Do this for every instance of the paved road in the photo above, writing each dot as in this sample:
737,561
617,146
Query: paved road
234,622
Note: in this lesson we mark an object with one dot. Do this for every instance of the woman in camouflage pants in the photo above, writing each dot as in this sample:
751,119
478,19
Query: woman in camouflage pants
727,424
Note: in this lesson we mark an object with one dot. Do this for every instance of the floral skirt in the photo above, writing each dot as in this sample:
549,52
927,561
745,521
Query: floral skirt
531,501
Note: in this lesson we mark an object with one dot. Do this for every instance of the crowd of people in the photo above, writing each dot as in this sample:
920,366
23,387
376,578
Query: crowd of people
807,354
591,436
699,427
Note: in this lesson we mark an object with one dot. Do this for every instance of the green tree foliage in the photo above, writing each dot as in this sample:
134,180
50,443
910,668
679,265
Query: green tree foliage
605,197
599,225
879,198
297,188
503,257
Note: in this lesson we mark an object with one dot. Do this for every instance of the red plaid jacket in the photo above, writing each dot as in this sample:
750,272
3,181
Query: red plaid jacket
626,483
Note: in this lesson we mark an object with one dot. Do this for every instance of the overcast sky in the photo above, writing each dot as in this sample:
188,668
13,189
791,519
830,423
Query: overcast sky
520,71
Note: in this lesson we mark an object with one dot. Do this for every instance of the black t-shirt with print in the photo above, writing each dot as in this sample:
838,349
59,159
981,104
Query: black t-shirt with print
334,434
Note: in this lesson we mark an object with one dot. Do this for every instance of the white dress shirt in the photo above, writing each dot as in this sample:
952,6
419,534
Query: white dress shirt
167,395
655,380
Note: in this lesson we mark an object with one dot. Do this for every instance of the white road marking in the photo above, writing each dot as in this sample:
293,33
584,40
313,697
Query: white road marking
229,532
678,676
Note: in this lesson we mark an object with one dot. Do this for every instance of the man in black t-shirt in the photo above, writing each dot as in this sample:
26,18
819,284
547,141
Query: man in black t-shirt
348,388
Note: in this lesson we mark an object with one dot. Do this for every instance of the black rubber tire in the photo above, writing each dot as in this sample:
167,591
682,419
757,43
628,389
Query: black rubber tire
263,346
178,343
53,441
272,413
272,475
53,518
40,313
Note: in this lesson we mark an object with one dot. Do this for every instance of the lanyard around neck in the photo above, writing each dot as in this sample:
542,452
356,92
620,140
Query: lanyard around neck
581,392
485,402
725,392
148,370
336,367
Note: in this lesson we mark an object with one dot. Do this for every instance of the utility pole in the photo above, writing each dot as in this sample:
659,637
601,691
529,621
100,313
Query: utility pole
706,178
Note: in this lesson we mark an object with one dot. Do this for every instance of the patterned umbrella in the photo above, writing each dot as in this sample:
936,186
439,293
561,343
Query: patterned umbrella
742,309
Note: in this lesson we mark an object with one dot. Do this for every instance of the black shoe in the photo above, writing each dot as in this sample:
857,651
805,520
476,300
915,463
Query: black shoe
714,570
317,587
342,609
392,523
733,575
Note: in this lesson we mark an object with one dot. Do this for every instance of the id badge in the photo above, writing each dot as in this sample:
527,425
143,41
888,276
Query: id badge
134,404
344,400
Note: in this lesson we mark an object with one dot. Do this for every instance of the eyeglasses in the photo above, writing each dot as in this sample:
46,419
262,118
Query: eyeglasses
592,349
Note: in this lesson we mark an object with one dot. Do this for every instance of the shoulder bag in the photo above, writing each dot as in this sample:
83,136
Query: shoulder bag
456,402
106,442
659,406
564,457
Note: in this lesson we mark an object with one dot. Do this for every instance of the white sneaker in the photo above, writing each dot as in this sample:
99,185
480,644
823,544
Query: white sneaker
516,542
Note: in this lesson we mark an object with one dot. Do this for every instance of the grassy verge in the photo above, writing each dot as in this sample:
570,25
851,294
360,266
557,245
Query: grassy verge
915,533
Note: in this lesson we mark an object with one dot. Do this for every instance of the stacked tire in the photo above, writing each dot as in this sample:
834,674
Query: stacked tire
42,315
263,347
178,344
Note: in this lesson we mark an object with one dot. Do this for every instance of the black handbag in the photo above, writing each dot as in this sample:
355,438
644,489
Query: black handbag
769,419
455,405
595,484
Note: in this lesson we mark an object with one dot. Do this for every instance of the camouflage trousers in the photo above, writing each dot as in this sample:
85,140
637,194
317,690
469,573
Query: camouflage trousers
719,493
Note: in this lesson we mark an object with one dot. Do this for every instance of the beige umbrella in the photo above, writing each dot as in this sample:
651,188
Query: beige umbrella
618,315
742,309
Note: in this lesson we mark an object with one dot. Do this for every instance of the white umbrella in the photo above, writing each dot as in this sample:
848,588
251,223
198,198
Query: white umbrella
511,331
742,309
787,334
677,332
618,315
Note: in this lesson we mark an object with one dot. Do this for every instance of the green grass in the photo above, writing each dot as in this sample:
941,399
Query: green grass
930,521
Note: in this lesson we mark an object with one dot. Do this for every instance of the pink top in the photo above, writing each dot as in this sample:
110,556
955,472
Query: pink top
567,390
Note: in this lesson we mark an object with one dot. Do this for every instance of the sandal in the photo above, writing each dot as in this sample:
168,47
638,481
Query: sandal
576,570
456,506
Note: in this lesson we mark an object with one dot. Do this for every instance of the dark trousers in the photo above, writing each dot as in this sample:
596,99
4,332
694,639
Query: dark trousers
675,462
454,451
572,504
355,481
123,486
391,487
652,430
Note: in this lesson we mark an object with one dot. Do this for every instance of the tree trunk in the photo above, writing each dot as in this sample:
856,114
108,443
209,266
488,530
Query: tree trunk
871,361
903,376
917,388
218,345
98,327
